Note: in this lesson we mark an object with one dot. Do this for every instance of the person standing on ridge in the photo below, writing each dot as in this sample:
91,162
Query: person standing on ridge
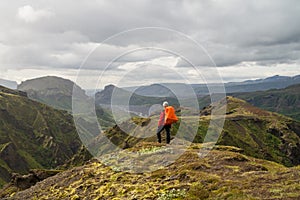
166,118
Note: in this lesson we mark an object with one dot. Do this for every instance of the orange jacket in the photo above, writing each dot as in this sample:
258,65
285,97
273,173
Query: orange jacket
170,116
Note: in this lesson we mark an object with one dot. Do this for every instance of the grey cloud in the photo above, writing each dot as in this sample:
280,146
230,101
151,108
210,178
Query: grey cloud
232,31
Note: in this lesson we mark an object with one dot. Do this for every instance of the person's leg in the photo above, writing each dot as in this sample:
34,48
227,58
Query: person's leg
168,132
159,130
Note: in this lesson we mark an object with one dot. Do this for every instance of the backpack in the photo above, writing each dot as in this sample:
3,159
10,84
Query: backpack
170,116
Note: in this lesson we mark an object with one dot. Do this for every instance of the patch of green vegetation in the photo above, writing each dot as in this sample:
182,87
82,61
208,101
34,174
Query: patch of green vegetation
4,165
2,182
197,191
149,150
173,194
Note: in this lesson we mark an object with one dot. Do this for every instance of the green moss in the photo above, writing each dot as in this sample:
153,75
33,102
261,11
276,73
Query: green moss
172,194
197,191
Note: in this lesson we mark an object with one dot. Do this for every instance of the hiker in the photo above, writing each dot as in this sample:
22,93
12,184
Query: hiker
166,118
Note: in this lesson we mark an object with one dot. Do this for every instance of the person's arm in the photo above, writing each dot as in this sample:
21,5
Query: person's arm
161,120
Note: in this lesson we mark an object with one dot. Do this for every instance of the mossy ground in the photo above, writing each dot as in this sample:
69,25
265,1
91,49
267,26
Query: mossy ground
222,174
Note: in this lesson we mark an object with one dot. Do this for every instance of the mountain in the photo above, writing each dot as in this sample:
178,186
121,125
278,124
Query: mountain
105,97
8,83
125,101
285,101
273,79
54,91
33,135
162,90
57,92
224,173
165,89
169,90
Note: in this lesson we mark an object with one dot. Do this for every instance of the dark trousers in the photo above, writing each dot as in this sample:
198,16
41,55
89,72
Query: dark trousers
168,132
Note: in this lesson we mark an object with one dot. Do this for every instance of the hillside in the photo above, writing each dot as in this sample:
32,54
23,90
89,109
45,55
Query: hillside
229,171
51,90
223,174
285,101
260,133
33,135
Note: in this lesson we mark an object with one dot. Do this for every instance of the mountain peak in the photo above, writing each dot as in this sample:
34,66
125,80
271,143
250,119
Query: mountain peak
110,87
52,90
46,82
277,77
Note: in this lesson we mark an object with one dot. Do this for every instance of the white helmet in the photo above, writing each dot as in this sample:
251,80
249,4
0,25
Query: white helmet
165,104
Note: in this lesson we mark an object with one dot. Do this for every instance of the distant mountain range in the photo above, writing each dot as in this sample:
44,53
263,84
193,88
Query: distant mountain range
274,82
8,83
33,135
57,92
161,90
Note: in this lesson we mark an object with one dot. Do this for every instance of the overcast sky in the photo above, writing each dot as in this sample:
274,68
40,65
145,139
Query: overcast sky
245,40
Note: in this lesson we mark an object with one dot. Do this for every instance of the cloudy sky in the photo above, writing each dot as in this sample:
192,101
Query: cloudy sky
193,41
